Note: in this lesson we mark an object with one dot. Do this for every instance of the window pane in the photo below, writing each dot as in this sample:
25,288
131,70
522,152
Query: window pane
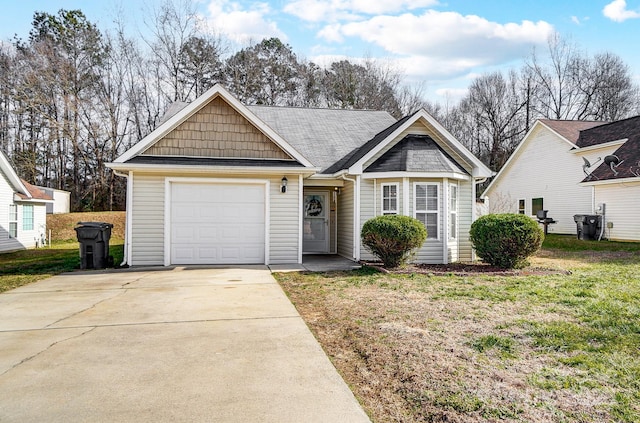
453,226
432,225
536,205
13,229
421,203
432,204
521,206
27,217
421,190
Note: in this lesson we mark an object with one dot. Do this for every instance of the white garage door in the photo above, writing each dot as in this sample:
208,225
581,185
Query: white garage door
217,223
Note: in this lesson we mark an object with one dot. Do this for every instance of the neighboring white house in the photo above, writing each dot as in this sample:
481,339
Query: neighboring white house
221,182
61,200
555,168
615,179
23,222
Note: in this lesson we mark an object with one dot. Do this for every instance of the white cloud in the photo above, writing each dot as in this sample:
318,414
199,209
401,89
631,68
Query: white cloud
445,43
243,25
617,11
452,95
347,10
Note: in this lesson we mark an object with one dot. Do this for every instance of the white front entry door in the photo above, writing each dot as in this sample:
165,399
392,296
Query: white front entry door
316,222
217,223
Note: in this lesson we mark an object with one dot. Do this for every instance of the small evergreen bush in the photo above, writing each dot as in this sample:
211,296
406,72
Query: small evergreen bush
506,240
393,238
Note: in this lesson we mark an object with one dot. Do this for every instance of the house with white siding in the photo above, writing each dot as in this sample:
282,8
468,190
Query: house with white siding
23,208
220,182
565,167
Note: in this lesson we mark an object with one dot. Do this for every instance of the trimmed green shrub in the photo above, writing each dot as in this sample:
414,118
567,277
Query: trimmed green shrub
506,240
393,238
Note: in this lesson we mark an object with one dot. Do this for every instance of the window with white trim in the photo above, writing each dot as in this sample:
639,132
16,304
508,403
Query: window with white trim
27,217
425,207
389,198
537,204
13,221
521,206
453,211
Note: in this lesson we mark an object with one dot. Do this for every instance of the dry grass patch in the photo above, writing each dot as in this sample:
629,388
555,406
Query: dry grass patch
480,348
61,225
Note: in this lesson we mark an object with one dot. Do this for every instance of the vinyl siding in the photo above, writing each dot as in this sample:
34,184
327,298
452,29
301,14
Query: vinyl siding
367,209
147,238
25,239
622,205
284,221
147,222
466,204
345,220
545,168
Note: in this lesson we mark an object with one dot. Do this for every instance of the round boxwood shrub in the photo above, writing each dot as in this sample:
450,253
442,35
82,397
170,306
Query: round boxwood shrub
506,240
393,238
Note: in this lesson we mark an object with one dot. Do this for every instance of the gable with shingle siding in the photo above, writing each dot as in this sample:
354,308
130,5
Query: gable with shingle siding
217,130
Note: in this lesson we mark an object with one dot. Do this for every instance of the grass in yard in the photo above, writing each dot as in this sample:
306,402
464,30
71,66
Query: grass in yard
538,348
26,266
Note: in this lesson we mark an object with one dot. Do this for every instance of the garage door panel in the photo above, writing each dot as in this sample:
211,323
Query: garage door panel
217,223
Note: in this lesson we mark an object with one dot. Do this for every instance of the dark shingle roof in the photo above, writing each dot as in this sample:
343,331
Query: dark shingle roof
627,156
323,136
416,153
358,153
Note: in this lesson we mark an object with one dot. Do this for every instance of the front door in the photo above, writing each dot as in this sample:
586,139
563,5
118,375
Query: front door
316,223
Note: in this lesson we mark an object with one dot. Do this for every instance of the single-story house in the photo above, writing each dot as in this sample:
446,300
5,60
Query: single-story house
220,182
565,167
23,208
61,200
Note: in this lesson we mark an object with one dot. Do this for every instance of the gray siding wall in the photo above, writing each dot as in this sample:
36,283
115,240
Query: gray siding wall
345,220
466,204
285,221
147,238
367,210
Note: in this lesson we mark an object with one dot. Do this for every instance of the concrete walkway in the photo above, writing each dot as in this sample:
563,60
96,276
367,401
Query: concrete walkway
178,345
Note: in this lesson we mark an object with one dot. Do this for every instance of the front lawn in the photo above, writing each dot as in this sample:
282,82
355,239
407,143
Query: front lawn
537,348
26,266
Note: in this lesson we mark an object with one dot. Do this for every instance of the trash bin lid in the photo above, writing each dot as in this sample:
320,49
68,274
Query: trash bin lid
101,225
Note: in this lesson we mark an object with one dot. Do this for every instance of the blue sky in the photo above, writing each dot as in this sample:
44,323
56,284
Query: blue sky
442,44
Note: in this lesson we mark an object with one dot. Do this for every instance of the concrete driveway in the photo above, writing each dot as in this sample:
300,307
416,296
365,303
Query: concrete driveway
184,344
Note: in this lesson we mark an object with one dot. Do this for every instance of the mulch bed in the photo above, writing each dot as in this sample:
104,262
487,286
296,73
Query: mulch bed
465,269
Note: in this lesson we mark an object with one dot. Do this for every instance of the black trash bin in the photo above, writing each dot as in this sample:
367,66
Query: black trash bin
94,244
588,226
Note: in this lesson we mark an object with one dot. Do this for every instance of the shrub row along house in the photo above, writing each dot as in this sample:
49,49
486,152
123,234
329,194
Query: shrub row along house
222,182
575,167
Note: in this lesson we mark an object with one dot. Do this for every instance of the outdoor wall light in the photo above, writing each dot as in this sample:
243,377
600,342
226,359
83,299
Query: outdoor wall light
283,186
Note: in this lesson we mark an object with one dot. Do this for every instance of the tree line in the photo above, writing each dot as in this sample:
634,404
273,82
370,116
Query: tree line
74,97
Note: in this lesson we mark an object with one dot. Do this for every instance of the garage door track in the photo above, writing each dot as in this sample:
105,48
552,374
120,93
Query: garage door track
182,344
